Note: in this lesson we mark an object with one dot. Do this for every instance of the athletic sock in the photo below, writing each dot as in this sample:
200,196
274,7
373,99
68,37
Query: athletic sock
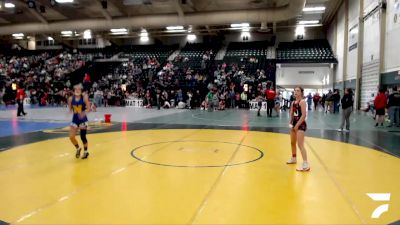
85,148
76,146
294,155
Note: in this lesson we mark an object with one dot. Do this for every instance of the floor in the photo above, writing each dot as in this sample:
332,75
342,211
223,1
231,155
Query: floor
194,167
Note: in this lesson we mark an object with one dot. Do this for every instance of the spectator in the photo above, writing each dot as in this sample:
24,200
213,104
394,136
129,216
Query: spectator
309,101
336,101
270,96
98,97
347,106
329,102
394,107
20,100
316,99
380,103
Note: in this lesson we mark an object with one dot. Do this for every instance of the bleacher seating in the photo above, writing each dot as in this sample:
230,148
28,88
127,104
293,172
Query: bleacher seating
192,55
98,53
310,51
138,53
251,55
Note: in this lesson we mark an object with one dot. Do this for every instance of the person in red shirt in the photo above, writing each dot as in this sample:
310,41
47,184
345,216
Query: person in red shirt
270,96
316,99
380,106
20,100
86,82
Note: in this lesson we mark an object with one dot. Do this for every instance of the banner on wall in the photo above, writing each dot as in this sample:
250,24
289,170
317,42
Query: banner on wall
353,37
396,12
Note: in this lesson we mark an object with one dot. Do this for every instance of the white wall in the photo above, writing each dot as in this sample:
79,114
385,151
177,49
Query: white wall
370,75
352,55
32,43
371,46
340,48
310,76
331,35
392,56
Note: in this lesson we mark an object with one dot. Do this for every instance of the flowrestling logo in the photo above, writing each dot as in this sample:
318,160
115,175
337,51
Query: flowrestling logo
379,197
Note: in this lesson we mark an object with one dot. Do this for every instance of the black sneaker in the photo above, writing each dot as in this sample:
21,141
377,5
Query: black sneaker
78,153
85,155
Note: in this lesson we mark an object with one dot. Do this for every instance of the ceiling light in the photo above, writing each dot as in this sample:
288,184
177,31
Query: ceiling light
9,5
144,39
314,9
238,25
144,34
18,35
64,1
300,31
303,22
87,34
175,31
174,28
119,33
50,38
66,32
119,30
191,37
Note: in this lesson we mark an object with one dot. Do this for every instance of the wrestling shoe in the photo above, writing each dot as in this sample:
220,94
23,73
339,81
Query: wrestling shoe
304,168
78,153
85,155
293,160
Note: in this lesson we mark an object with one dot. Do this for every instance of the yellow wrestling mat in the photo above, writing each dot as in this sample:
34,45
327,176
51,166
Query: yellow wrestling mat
195,177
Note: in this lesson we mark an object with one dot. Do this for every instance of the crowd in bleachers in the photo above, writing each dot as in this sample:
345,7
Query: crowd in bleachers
145,72
42,74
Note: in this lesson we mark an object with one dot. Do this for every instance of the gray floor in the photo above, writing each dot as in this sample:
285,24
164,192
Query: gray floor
321,125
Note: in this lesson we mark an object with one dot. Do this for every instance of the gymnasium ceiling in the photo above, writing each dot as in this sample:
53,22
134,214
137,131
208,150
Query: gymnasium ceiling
92,9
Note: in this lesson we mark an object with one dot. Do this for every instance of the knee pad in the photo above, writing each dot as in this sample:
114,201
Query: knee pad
83,136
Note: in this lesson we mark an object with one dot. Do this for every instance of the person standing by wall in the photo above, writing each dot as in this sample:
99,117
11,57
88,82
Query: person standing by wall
86,82
347,106
316,99
380,103
270,95
329,102
20,100
309,101
336,101
394,107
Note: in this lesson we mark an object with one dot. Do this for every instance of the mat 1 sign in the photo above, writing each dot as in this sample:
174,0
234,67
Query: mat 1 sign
134,103
254,106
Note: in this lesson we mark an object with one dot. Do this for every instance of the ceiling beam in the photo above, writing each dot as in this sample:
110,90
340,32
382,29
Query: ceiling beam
54,8
33,11
332,9
178,8
4,21
191,5
105,13
119,5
